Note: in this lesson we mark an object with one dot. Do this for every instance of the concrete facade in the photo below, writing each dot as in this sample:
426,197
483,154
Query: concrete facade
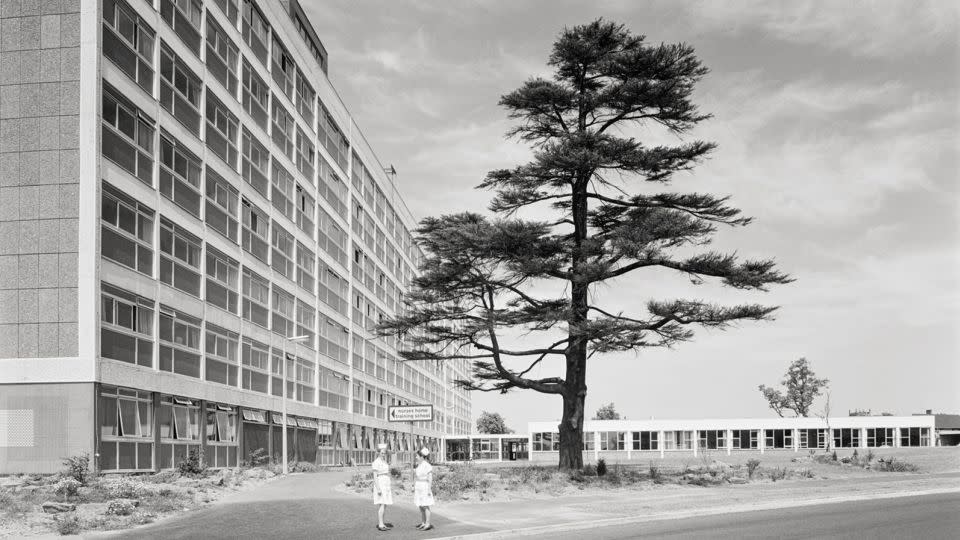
181,191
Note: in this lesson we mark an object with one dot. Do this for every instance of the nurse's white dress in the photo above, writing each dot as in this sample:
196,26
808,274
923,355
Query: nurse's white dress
422,494
381,478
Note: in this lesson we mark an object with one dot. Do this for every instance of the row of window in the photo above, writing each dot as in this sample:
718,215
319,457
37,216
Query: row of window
739,439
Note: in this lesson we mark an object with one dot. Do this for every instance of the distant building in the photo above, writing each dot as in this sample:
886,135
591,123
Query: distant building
181,192
620,440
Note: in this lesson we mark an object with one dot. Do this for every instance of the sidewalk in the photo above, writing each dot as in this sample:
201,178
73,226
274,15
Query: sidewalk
522,517
298,506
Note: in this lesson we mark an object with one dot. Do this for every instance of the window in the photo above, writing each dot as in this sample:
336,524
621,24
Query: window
256,163
645,440
282,131
184,17
546,442
334,389
305,211
126,429
180,429
256,230
846,438
179,342
813,438
180,258
222,56
222,127
357,172
315,47
126,234
127,135
128,42
332,188
180,90
305,153
256,298
126,329
778,438
284,68
333,290
256,31
256,365
284,310
283,255
179,174
711,439
745,439
221,436
305,97
222,280
229,8
914,436
221,358
334,340
332,138
306,267
332,239
879,437
612,440
256,95
306,321
222,200
283,191
678,440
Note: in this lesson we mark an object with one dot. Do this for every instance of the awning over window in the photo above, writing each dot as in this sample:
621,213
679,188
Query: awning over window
307,423
254,416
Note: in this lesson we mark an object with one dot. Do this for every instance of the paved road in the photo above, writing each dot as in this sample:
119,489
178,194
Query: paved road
300,506
929,517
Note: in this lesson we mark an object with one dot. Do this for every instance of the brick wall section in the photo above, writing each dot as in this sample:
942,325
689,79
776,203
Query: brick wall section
39,98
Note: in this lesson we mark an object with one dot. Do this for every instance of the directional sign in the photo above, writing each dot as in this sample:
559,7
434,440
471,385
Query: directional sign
410,413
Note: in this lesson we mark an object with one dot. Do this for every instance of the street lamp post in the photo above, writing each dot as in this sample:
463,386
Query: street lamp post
283,348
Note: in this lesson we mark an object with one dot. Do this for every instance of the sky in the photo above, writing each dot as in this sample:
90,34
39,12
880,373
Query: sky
838,130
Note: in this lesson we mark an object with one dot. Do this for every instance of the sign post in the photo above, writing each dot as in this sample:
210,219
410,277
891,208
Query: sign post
410,413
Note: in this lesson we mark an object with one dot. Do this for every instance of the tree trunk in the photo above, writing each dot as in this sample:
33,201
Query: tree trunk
571,431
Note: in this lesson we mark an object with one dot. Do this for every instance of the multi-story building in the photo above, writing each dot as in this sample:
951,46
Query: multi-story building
181,192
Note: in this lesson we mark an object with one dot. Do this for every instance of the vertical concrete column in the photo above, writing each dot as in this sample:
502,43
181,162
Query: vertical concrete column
596,445
696,442
729,441
499,449
628,441
761,440
796,440
660,442
863,437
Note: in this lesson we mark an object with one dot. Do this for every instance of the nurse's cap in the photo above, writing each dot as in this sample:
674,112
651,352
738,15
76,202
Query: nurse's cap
424,452
382,446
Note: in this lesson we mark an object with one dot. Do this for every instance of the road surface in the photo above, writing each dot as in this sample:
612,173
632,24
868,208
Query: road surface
928,516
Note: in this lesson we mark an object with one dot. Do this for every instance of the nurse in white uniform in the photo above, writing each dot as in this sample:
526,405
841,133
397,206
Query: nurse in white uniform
423,488
382,492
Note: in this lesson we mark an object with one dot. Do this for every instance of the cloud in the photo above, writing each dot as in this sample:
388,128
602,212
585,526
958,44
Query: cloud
879,28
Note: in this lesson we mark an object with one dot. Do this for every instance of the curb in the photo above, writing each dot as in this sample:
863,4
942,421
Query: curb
576,526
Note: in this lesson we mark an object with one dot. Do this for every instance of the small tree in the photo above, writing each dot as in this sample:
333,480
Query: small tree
800,387
825,415
607,412
493,423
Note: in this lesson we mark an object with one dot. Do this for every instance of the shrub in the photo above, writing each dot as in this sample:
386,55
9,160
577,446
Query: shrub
654,473
193,464
120,507
833,456
395,472
67,487
457,481
259,457
589,469
67,525
78,467
125,488
302,466
752,465
892,465
601,467
778,474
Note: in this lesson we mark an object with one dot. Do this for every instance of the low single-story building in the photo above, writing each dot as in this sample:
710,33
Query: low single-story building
620,440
